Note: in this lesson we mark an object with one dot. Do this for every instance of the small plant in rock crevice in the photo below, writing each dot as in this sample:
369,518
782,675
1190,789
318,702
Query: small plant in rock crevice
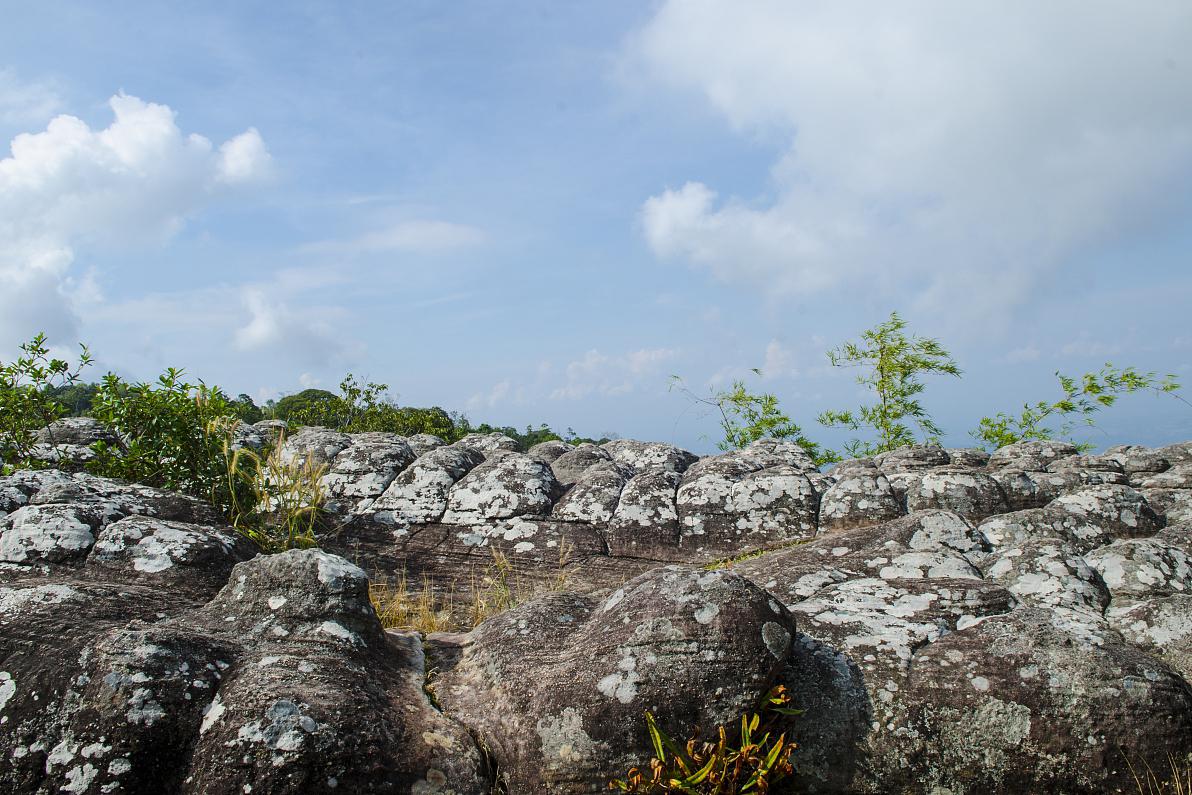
750,760
276,503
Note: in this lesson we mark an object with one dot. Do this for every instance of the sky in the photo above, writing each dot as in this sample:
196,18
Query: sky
542,211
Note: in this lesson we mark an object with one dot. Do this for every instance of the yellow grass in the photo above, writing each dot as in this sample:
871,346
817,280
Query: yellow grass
498,588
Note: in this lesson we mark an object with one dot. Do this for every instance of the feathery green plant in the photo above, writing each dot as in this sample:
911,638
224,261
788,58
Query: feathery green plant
1080,402
893,366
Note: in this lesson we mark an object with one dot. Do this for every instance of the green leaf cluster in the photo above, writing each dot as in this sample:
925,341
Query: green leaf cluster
166,441
30,387
893,364
746,417
753,761
1081,399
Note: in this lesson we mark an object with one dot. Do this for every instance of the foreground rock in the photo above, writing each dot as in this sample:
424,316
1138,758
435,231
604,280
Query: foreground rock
950,622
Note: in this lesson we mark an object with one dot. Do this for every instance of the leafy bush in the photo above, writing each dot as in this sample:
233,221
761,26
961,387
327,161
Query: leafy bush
893,366
746,417
166,436
29,398
751,762
1081,400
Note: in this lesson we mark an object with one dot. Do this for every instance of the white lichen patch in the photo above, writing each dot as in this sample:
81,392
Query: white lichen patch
44,532
212,714
8,688
338,574
564,741
15,600
621,684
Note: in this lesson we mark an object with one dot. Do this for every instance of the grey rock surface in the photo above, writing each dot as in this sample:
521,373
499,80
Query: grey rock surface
950,622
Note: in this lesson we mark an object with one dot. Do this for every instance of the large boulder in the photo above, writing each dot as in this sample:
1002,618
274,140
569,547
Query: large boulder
504,486
555,689
861,496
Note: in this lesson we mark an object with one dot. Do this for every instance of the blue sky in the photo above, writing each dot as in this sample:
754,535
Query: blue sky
538,212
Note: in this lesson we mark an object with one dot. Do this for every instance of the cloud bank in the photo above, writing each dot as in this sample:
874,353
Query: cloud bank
942,151
70,189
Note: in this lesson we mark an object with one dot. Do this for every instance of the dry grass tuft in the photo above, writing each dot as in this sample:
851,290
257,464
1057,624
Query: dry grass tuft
490,592
1176,781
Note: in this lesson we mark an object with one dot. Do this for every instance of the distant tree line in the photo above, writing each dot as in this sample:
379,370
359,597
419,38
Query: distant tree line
355,408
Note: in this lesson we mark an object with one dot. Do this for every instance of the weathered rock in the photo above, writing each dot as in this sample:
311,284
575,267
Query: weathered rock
1015,703
316,446
488,444
423,443
971,457
420,492
905,459
547,452
505,485
1172,505
76,431
1161,626
1074,532
1140,461
860,497
555,689
284,682
1178,477
364,469
645,456
726,504
973,495
594,497
1033,456
1042,573
570,467
1119,509
932,655
645,523
1140,568
48,533
929,544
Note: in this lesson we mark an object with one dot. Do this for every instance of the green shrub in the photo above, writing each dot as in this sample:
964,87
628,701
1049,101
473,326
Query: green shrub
1081,400
29,398
752,761
892,365
167,441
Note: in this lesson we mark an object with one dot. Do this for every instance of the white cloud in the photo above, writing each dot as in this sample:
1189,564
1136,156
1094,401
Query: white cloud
305,335
602,374
1027,353
500,393
779,361
942,151
71,187
25,103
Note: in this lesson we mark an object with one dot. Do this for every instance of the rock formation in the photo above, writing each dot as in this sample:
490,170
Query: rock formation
949,621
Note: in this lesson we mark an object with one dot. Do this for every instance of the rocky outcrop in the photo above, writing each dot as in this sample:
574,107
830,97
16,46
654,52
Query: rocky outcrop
948,621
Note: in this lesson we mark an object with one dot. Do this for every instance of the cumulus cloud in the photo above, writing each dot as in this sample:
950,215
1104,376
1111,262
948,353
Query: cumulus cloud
940,151
305,335
609,375
71,188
